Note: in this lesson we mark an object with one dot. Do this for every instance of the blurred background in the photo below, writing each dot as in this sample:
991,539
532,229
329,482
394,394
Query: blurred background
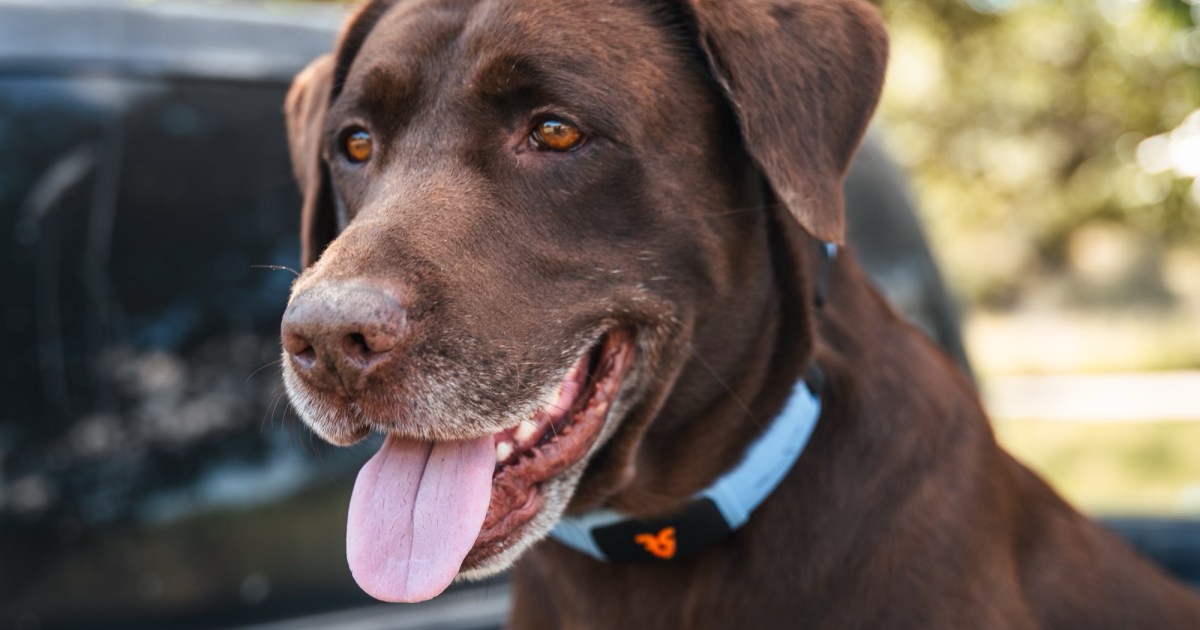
1054,149
152,475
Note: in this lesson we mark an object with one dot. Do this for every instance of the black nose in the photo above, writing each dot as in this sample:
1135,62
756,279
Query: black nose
342,334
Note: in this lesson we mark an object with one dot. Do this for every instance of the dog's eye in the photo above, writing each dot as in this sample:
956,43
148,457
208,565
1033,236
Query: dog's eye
555,134
357,145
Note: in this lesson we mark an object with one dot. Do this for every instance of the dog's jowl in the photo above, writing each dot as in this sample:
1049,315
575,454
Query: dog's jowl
579,261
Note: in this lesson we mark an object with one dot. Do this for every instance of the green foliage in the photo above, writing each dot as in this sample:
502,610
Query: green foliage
1022,124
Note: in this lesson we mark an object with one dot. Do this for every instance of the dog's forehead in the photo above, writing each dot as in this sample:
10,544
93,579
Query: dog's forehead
615,46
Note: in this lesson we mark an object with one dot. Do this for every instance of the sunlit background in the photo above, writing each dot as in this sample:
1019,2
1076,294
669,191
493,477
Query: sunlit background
1054,150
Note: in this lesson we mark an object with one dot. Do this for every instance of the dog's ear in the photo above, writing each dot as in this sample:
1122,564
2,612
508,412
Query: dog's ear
305,108
803,77
307,101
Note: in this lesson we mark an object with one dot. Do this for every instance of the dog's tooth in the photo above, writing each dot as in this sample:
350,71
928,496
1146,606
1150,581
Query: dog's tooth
504,450
572,375
524,431
549,403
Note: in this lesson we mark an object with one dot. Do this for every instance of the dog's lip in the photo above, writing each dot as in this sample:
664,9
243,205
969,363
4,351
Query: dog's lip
523,434
553,409
516,484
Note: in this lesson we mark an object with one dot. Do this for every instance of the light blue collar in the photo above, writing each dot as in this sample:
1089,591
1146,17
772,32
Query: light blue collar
715,512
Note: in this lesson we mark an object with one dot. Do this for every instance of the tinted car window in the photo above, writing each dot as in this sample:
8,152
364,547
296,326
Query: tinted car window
150,463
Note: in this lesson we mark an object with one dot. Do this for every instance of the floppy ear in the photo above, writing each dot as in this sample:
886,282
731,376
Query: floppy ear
305,108
307,101
803,77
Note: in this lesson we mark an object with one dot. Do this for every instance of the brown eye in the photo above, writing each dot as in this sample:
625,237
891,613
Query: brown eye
357,146
556,135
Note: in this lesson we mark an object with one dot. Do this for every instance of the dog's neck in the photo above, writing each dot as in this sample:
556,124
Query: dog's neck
725,505
815,527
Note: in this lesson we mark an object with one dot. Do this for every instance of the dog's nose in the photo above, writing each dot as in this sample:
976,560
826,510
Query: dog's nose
341,334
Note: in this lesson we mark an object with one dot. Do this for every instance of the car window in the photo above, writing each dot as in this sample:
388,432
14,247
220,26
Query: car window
150,463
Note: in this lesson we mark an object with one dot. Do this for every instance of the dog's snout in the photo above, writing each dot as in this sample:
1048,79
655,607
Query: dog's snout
340,335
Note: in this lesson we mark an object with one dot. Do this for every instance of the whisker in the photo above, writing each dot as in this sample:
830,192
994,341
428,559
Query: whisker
275,362
276,396
745,209
294,441
277,268
720,381
315,450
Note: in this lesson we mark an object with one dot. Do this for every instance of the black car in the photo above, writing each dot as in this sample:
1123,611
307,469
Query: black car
151,472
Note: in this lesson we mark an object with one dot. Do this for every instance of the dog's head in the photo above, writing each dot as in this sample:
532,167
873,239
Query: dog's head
540,257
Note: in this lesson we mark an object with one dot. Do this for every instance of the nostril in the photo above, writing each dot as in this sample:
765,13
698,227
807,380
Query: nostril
358,342
369,345
300,349
355,347
306,358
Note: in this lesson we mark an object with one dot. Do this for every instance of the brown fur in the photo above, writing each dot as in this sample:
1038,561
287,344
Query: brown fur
719,133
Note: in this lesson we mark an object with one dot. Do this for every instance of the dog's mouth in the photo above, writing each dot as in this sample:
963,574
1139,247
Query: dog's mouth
560,433
423,511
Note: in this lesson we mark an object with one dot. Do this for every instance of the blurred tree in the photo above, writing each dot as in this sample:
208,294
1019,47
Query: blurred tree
1023,121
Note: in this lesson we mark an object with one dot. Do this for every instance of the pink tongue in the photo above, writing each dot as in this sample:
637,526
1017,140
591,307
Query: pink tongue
416,511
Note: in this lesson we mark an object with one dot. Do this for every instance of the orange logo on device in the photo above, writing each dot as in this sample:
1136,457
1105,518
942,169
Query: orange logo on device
662,544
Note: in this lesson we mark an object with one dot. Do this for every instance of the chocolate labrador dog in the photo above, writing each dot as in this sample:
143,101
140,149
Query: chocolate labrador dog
577,261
